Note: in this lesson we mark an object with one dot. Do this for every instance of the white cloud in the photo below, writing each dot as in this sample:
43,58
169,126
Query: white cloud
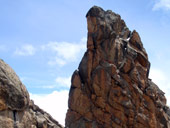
55,104
157,75
63,81
56,60
65,51
47,86
160,78
162,4
25,50
60,82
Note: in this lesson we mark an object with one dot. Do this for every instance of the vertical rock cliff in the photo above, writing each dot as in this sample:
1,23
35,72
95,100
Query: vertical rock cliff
111,88
16,108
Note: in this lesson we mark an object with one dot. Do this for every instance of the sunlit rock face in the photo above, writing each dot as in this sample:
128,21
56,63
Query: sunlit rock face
16,108
111,88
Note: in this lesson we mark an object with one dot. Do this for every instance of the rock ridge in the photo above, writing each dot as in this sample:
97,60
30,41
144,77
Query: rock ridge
111,88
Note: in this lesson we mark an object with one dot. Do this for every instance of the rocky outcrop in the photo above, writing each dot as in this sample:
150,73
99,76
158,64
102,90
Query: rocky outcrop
16,108
111,88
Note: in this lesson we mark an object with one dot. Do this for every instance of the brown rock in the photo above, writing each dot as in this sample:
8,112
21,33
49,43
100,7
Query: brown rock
13,92
111,88
16,108
78,101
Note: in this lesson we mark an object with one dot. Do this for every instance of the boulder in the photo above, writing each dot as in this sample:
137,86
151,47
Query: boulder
16,108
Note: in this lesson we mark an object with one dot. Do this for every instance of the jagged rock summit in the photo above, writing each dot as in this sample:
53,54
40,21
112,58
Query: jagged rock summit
111,88
16,108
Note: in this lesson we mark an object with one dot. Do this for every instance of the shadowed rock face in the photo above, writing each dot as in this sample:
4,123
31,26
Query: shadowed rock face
13,94
111,88
16,109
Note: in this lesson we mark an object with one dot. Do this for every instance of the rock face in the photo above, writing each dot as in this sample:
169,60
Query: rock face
16,109
111,88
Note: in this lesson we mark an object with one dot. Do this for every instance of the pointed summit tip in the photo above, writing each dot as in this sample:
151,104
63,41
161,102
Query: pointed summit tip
104,25
95,11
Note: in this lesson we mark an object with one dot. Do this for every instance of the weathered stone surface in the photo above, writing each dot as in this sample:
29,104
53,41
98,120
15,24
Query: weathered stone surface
13,93
111,88
16,108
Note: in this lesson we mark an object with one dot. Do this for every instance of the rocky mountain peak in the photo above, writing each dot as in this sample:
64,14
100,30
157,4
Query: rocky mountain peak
99,22
111,88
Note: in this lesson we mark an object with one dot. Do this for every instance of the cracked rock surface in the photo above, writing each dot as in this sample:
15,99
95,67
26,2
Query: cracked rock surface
111,88
16,108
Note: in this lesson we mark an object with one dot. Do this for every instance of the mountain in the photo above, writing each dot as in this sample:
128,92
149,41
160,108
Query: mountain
16,108
111,88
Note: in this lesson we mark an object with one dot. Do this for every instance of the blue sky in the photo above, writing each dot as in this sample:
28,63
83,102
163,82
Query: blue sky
44,41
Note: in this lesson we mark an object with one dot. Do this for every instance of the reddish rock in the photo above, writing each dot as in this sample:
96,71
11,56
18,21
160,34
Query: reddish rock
111,88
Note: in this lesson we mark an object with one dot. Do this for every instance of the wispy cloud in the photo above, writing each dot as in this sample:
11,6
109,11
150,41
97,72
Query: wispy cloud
47,86
56,60
55,104
59,82
65,51
63,81
162,4
25,50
